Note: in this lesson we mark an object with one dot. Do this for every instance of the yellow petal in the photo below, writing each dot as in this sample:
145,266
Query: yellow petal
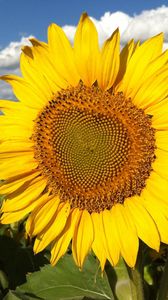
16,165
151,69
14,131
32,75
160,116
86,50
62,54
129,242
54,229
26,195
9,186
155,86
112,243
158,210
43,61
16,146
151,199
157,186
42,216
144,223
136,46
83,238
60,245
98,243
109,61
162,140
138,64
8,218
157,109
156,64
16,120
10,156
125,56
161,162
10,108
25,92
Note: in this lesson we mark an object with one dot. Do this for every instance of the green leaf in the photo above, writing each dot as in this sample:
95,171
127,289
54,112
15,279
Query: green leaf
3,280
66,281
12,295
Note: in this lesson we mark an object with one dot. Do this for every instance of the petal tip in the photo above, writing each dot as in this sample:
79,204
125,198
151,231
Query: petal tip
115,32
84,16
52,26
34,42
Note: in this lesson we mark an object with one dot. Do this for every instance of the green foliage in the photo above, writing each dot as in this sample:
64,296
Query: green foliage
16,261
25,276
12,295
120,283
66,281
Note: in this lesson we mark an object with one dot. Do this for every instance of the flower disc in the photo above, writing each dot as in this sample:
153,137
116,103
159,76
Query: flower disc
93,147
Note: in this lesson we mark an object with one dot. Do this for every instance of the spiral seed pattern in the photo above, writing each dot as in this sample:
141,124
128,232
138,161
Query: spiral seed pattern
95,148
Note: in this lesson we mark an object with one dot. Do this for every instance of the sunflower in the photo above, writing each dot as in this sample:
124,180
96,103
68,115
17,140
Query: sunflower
84,150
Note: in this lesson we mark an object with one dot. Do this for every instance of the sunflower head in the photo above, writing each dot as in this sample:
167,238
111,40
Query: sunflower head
83,151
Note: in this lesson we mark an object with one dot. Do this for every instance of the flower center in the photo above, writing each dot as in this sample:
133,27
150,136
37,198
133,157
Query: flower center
90,148
94,148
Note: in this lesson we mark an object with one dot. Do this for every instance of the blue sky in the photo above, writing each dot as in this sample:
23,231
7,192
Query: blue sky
19,19
26,17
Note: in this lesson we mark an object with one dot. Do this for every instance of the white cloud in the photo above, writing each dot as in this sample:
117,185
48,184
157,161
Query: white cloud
9,56
105,26
109,22
139,27
147,24
70,32
9,64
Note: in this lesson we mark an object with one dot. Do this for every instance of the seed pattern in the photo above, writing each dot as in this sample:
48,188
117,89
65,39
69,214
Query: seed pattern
94,147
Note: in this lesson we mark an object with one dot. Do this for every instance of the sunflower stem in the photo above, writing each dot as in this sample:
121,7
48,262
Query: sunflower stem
163,290
136,283
136,279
